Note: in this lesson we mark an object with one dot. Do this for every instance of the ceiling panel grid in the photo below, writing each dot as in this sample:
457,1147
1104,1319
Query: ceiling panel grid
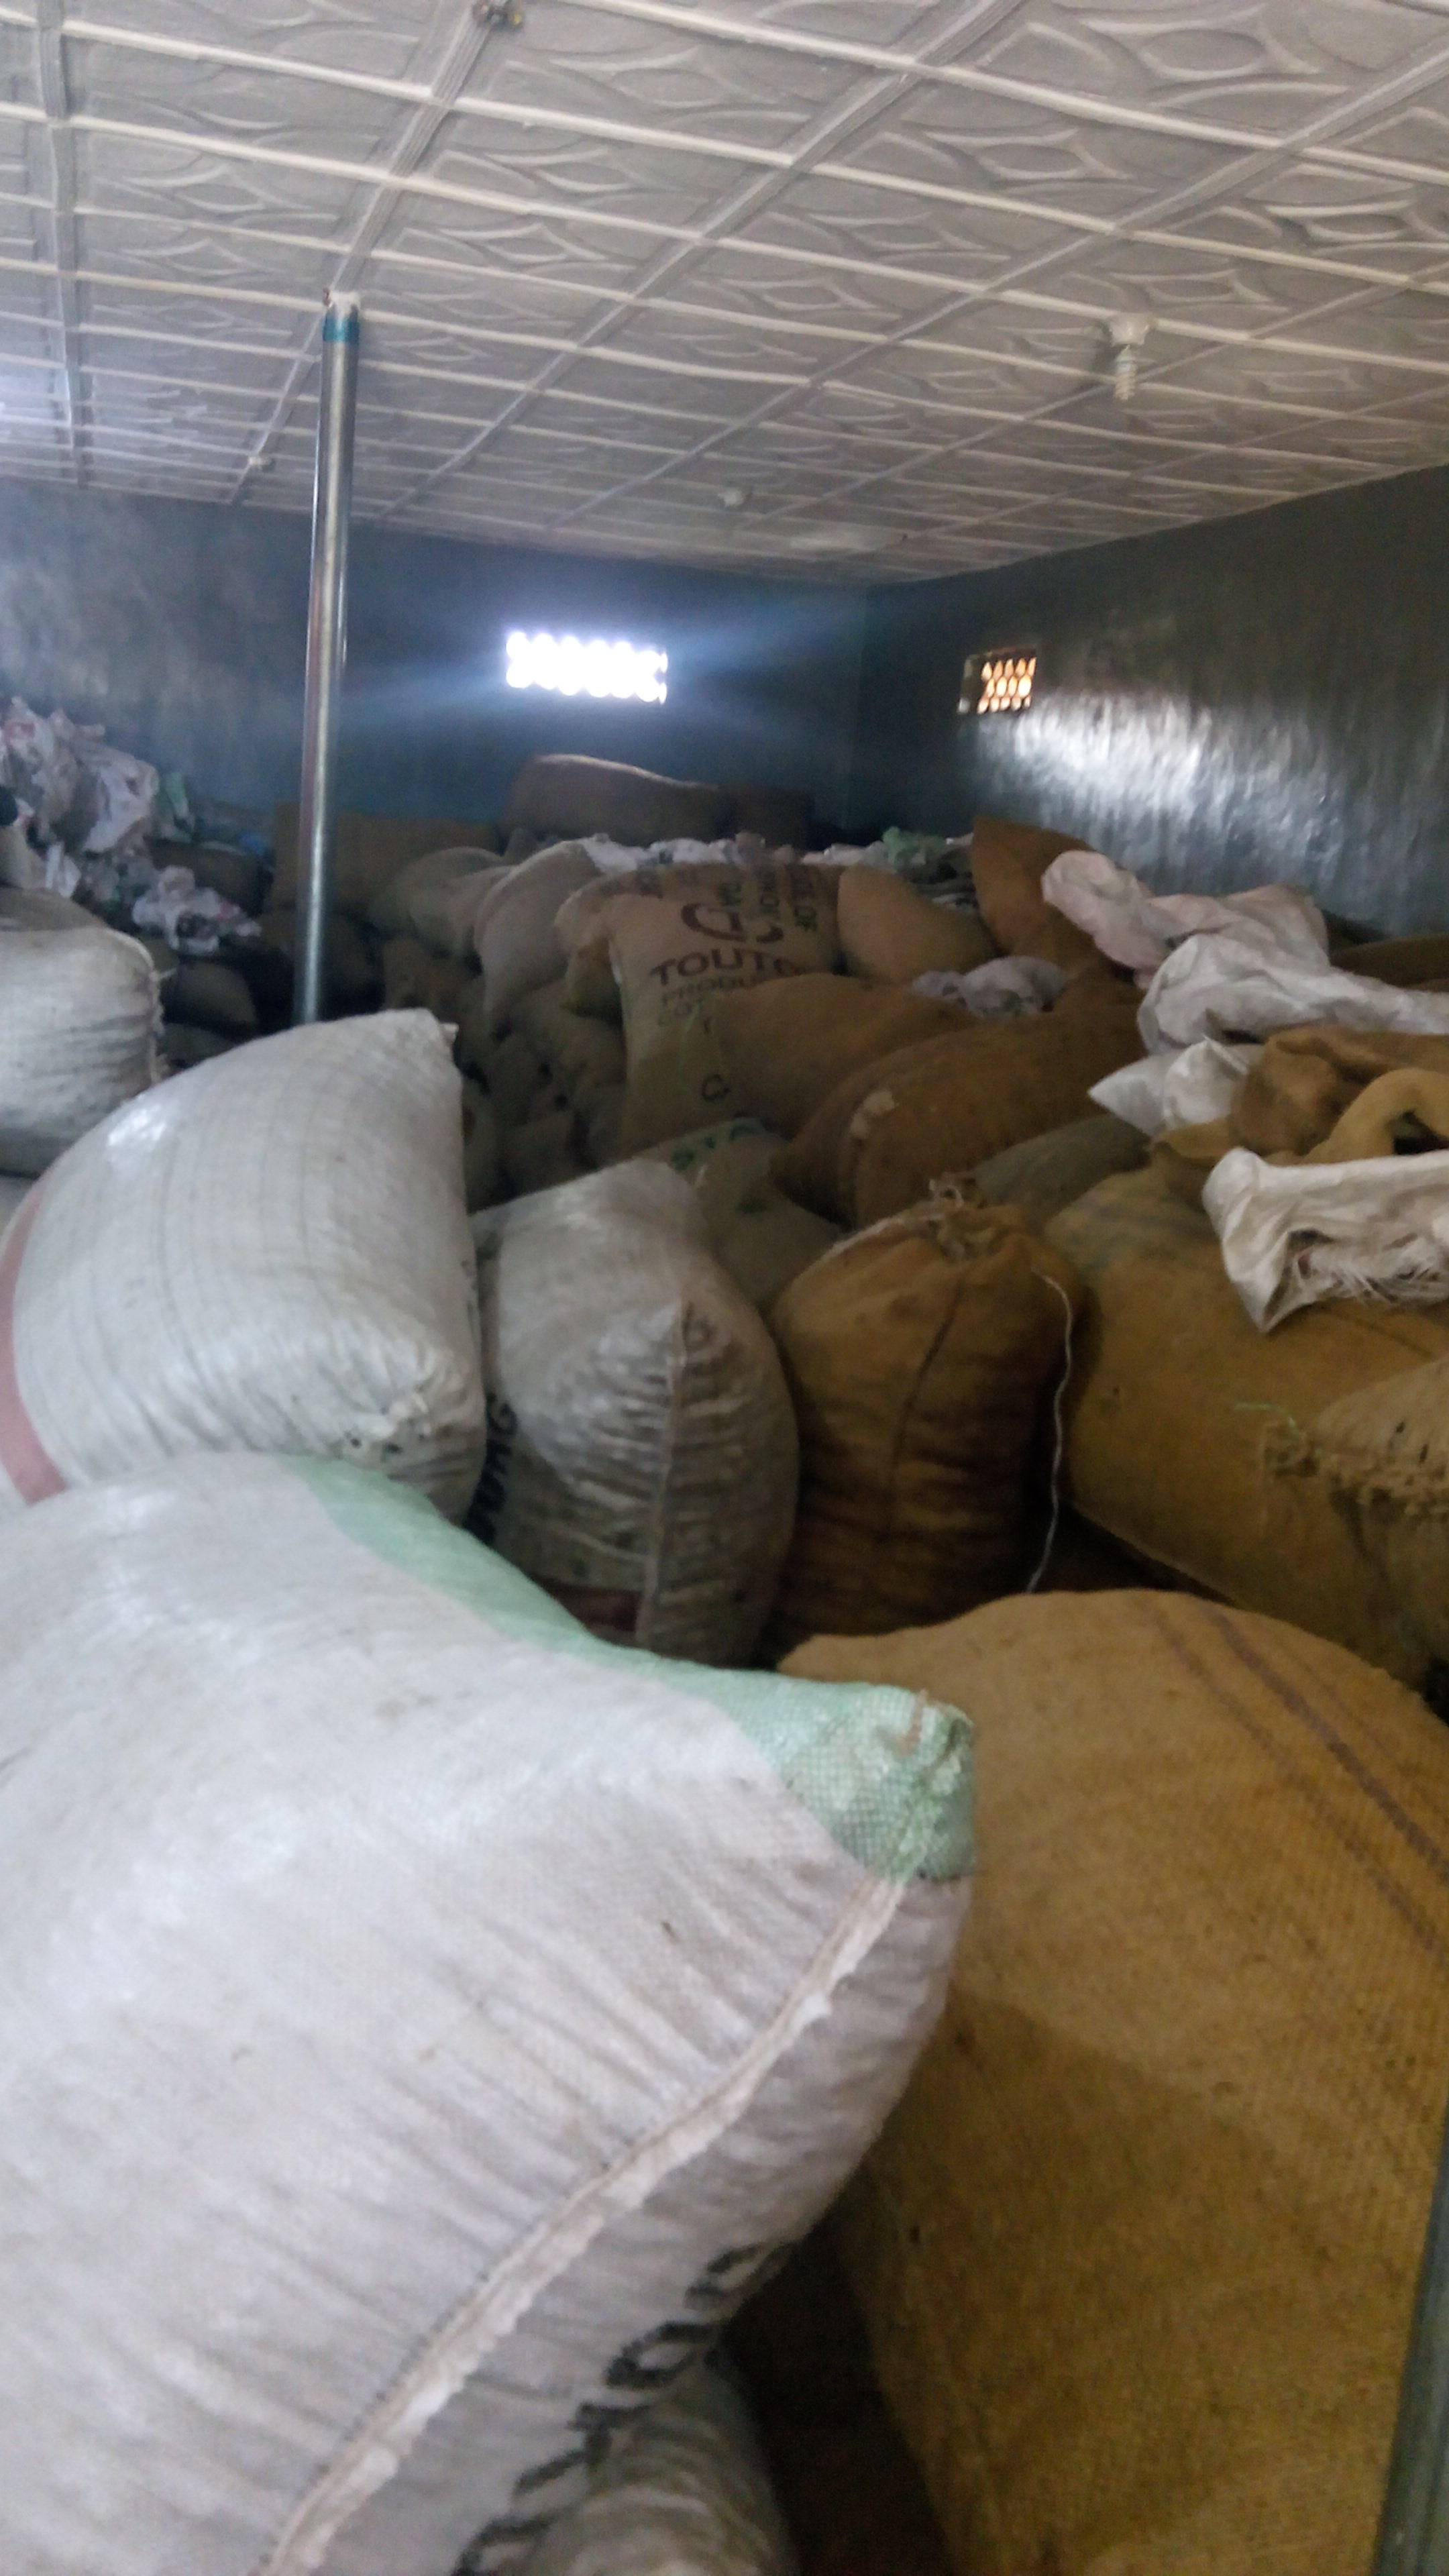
753,282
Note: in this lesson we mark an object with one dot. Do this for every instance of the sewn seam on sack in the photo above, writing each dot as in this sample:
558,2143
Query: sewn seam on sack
887,1773
456,2351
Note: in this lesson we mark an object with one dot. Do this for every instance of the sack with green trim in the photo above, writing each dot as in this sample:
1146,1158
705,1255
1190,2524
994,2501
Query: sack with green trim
420,2023
270,1252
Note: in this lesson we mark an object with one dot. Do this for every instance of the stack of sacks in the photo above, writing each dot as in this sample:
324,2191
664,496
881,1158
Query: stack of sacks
425,918
661,946
642,1449
372,850
1138,2251
755,1232
497,2006
918,1355
269,1252
1179,1410
79,1020
929,1111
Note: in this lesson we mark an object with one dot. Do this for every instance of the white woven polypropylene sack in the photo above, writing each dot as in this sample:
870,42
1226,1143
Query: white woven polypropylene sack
687,2495
1239,984
642,1451
79,1015
1295,1234
420,2024
269,1252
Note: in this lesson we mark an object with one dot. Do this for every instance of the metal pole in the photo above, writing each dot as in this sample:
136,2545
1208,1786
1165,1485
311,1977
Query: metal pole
1414,2532
326,650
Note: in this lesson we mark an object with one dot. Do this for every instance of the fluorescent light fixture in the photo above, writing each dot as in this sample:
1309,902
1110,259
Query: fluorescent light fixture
593,670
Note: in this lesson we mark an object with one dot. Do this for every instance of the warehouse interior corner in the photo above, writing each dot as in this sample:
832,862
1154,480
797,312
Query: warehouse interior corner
724,1289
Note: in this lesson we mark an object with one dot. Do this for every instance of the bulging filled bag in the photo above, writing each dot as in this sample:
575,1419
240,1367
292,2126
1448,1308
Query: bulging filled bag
79,1015
419,2023
642,1454
688,2495
270,1252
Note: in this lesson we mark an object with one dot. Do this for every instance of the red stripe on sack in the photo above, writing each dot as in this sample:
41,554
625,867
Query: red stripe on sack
34,1475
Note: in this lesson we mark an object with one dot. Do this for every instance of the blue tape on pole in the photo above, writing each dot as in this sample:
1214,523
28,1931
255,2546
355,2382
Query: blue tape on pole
341,326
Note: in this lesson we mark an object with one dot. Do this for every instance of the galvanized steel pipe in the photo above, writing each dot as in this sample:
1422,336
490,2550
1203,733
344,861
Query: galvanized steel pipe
1414,2533
326,650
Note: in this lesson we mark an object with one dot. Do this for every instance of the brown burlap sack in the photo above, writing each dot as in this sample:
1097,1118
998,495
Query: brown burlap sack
371,849
891,934
1382,1455
1304,1080
1003,1082
436,899
1008,862
514,927
561,795
584,1056
785,1045
542,1154
1416,961
1137,2251
1186,1157
354,971
917,1356
482,1149
674,955
205,994
1178,1405
413,979
1051,1172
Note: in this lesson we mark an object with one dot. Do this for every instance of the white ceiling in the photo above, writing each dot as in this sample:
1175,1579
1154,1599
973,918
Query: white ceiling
854,259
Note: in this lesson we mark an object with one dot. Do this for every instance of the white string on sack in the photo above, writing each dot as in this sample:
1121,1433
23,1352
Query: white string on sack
1059,1434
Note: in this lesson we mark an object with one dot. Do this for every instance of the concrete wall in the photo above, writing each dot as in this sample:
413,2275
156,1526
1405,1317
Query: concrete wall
181,628
1264,697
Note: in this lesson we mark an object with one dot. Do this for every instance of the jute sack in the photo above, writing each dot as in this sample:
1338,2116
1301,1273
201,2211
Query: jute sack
436,899
543,1153
371,849
514,928
917,1355
1305,1079
415,979
561,793
1382,1455
688,2495
1416,961
1138,2250
205,994
786,1045
269,1252
1051,1172
969,1097
642,1452
354,973
756,1234
1177,1403
1008,862
79,1015
673,958
591,982
482,1149
419,2024
891,934
585,1056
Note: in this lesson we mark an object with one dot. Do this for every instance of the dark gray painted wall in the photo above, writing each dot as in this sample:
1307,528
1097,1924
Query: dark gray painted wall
180,627
1264,697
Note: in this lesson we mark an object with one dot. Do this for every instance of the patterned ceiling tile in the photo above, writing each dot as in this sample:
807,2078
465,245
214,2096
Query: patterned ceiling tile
1028,155
593,63
664,193
1259,67
857,258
